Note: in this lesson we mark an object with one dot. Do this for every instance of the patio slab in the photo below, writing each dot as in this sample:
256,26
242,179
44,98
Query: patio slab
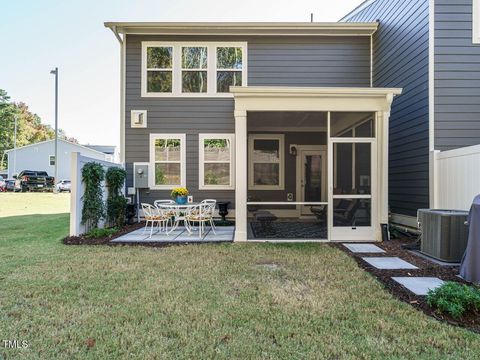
363,248
178,236
419,285
389,263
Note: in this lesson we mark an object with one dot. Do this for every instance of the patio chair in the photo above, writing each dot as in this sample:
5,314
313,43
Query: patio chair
170,212
154,215
201,214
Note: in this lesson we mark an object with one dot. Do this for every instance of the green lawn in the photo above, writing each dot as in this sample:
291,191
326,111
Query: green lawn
204,301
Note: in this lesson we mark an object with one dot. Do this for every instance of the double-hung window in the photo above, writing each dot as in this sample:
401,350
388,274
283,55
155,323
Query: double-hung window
229,61
192,69
216,167
159,69
167,161
266,162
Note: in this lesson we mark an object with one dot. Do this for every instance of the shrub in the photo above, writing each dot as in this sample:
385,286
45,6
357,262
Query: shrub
100,233
93,209
116,202
454,298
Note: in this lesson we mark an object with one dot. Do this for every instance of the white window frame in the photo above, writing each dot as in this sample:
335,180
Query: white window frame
50,160
230,70
281,166
151,175
145,69
177,67
201,162
476,21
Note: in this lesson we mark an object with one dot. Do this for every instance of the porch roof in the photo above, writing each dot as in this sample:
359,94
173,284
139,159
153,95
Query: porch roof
280,98
245,28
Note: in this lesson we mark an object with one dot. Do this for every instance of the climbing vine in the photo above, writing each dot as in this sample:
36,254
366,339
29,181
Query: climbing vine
116,202
93,208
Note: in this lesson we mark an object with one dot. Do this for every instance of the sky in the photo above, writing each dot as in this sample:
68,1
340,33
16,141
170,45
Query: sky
39,35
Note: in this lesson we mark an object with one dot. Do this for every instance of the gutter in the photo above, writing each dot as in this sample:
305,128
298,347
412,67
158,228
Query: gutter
117,35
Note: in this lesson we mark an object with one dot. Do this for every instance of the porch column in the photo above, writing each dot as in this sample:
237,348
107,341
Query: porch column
384,168
240,175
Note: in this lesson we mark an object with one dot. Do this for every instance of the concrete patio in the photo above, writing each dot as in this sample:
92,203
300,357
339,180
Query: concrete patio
180,235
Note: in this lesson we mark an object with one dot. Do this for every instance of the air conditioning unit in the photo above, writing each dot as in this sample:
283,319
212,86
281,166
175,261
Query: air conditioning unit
444,233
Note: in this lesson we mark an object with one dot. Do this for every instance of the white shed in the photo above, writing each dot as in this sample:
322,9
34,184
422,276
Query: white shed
41,157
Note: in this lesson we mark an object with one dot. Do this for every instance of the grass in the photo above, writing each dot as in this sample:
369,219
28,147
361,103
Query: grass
198,301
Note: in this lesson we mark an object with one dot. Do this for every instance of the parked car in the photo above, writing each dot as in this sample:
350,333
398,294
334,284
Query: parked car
31,180
64,185
3,185
10,184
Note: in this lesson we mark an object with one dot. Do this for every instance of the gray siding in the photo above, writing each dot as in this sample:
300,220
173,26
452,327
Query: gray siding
400,54
457,76
294,61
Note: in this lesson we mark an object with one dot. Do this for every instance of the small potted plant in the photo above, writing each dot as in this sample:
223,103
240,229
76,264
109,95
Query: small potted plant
180,195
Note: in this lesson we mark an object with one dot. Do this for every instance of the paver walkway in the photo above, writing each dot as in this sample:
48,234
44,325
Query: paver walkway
416,284
419,285
364,248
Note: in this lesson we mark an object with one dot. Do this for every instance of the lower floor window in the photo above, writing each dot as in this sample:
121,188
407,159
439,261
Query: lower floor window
266,164
167,160
216,161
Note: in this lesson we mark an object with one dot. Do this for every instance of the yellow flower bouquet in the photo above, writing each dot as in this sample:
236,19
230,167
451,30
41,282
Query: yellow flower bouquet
180,195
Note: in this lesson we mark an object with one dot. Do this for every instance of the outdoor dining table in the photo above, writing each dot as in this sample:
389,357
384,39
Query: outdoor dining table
179,211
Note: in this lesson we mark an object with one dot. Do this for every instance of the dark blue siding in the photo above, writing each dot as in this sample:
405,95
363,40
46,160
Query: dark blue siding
400,59
457,76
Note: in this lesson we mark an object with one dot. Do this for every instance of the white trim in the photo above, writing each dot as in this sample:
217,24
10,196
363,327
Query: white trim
371,61
177,67
151,173
241,169
476,21
431,99
123,84
133,114
246,28
201,162
281,161
287,128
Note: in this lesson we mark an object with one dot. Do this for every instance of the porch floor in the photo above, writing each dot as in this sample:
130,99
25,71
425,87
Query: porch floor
180,235
288,229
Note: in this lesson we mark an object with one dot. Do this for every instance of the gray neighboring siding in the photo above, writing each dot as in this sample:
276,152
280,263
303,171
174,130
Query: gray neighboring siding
400,59
457,76
295,61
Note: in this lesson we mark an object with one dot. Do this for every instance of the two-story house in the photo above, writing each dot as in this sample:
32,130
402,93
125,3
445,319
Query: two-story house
282,117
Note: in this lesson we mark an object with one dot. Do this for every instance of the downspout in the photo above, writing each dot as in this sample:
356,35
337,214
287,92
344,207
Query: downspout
121,41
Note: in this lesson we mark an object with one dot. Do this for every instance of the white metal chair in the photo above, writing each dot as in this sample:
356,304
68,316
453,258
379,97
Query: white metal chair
153,215
214,202
201,214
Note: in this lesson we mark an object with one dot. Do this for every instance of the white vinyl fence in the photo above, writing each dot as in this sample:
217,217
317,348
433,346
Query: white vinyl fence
78,161
457,177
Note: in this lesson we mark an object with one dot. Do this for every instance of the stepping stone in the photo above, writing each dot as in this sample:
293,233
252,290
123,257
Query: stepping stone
363,248
419,285
389,263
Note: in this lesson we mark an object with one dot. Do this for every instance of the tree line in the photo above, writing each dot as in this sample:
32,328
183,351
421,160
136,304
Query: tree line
30,129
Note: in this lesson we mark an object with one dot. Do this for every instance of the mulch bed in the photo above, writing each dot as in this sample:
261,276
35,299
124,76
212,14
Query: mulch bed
426,268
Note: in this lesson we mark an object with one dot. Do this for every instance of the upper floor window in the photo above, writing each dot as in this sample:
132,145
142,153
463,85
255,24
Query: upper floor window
192,69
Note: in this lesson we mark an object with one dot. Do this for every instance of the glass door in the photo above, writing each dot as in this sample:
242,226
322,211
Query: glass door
352,187
313,178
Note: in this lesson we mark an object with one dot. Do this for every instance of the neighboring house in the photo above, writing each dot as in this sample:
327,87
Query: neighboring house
278,116
41,156
111,151
431,49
